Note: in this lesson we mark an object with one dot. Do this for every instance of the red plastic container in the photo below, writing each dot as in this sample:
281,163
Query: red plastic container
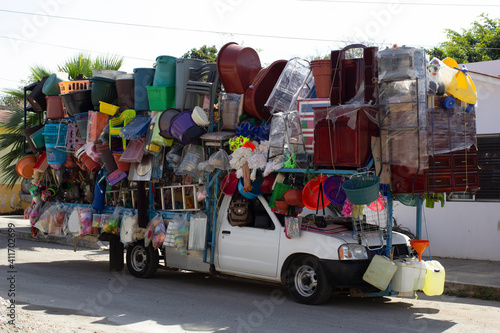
54,107
237,67
339,145
258,92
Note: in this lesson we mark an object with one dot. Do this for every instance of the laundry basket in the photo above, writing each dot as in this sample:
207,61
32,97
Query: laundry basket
362,189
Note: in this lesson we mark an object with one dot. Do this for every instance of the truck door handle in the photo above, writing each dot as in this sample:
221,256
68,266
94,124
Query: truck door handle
227,232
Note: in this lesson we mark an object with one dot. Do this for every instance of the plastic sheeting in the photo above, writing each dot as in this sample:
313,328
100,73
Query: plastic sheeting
401,64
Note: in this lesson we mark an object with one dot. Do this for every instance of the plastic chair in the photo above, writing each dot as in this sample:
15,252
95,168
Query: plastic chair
203,80
116,124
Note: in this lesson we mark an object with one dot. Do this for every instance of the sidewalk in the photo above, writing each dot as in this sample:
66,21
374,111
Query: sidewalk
471,276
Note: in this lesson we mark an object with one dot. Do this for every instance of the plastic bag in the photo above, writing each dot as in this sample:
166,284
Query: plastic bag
155,232
85,215
58,217
219,160
197,231
192,155
112,225
174,156
292,227
129,224
177,223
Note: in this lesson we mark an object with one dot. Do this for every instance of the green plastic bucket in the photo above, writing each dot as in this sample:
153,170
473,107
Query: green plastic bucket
161,98
103,90
362,190
165,71
51,85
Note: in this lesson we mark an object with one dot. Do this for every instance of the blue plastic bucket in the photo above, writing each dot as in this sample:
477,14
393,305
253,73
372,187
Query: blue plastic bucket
184,129
56,157
143,77
55,135
165,71
254,193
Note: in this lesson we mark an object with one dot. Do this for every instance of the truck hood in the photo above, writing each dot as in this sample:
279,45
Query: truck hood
371,240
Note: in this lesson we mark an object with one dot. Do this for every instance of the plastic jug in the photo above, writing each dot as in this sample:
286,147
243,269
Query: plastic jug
410,275
404,278
434,278
380,272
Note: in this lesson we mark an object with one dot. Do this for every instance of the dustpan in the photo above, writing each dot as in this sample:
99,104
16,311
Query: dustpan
136,128
134,151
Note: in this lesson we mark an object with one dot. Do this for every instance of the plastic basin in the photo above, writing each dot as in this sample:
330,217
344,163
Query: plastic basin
184,129
24,166
332,187
254,193
237,67
310,194
164,121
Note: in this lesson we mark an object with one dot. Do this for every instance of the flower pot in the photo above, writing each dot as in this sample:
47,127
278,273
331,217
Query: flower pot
321,70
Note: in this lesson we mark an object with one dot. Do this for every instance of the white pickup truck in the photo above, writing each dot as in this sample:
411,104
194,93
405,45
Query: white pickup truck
311,266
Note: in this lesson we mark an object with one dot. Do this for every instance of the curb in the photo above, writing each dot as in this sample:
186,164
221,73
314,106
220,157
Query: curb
472,290
25,233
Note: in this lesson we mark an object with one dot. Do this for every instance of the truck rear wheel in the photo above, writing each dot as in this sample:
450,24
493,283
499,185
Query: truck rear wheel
142,261
307,281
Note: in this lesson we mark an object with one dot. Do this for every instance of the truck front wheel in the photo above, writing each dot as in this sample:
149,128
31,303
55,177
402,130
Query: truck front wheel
142,261
307,281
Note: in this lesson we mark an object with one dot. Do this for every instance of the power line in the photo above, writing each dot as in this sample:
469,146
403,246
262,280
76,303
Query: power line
404,3
66,47
171,28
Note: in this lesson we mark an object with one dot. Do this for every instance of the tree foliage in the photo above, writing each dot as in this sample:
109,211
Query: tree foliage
207,53
481,42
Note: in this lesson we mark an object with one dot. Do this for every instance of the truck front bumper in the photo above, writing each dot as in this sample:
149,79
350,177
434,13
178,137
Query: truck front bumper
347,273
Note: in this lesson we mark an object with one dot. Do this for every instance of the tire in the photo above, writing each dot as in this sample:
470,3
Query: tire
307,282
142,261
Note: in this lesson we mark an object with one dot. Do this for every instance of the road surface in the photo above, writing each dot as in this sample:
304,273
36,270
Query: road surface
57,289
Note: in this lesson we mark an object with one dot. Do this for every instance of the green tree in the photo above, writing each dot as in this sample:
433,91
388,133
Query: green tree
207,53
12,138
481,42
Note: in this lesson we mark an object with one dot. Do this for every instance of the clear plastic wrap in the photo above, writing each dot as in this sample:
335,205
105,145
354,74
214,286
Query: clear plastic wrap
401,64
286,134
294,82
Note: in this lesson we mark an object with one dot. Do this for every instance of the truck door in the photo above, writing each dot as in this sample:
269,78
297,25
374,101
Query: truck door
252,249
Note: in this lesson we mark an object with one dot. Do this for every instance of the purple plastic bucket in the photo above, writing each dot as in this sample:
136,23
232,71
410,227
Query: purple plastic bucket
165,120
332,187
184,129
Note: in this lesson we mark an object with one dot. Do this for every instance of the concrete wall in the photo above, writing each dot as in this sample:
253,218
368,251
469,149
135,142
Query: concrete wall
468,230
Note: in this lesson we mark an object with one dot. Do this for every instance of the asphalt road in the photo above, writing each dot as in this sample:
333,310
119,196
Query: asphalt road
53,280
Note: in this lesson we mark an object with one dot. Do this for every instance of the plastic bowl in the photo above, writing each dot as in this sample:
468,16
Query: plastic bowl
24,166
332,187
310,194
293,197
281,204
200,116
254,193
229,184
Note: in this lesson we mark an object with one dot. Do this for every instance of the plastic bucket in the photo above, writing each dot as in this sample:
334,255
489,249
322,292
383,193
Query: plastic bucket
125,91
332,187
161,98
55,135
362,190
184,129
56,157
182,66
77,101
321,70
51,85
229,184
164,121
165,71
82,122
143,77
310,194
103,90
254,193
54,107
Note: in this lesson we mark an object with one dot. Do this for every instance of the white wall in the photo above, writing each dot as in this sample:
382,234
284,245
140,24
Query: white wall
466,230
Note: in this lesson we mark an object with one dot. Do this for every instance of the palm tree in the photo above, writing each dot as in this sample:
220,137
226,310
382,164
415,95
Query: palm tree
11,137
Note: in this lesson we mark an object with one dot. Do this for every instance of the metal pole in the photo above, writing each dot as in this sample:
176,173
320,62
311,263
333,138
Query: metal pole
419,217
388,247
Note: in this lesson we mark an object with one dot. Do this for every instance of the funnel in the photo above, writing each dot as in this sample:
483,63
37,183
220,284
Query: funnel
419,246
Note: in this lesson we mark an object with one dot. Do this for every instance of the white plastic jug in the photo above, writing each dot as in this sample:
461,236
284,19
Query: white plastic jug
434,278
380,272
410,275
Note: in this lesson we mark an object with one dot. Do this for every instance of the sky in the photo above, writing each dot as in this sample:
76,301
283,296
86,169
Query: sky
48,32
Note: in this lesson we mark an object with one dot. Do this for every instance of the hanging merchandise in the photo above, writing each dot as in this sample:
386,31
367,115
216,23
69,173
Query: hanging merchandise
457,81
312,194
292,227
197,231
192,155
155,232
112,225
219,160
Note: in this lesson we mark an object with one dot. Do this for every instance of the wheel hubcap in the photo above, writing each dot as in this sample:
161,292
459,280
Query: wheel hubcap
306,281
139,258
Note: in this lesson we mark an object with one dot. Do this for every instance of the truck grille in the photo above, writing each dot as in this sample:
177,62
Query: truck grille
400,251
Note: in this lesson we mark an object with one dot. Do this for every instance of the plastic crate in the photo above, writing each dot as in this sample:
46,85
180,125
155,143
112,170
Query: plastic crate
70,86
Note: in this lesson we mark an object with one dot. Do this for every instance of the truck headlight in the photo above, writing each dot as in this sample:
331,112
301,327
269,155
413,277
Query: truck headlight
352,252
